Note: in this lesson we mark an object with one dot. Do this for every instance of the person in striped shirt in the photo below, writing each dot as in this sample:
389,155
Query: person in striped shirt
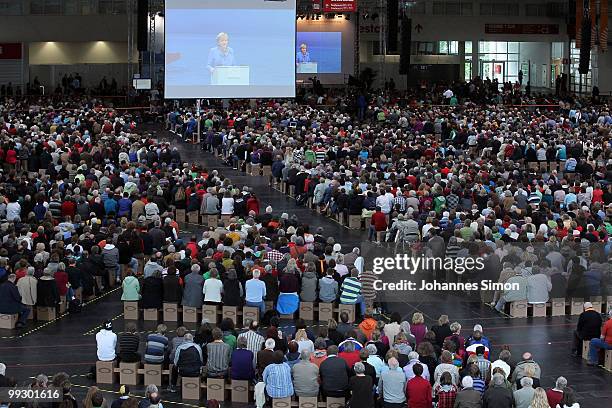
156,349
277,377
254,340
350,292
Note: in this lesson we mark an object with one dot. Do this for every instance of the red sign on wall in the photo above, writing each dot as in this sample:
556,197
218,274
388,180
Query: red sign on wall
339,6
522,28
10,50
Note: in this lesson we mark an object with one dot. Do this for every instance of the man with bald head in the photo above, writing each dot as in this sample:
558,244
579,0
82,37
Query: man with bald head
521,368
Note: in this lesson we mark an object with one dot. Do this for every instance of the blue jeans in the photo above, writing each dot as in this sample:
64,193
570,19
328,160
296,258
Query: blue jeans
359,301
23,314
261,305
594,347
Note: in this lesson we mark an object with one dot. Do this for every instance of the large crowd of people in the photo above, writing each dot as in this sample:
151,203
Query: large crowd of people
89,202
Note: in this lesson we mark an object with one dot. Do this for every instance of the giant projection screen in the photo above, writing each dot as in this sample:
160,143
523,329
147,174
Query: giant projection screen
230,48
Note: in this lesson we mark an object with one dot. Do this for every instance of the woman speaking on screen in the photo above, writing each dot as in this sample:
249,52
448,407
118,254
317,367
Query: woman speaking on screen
221,55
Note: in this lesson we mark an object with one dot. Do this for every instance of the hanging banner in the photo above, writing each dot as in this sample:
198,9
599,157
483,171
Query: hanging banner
603,25
579,17
593,12
10,51
550,29
339,6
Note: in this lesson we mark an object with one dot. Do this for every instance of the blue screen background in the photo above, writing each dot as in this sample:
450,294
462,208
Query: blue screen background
261,39
325,48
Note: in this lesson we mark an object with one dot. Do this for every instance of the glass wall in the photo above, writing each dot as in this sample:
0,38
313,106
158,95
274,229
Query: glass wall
580,83
499,60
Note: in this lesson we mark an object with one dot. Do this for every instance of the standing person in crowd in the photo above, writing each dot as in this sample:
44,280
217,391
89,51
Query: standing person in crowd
10,301
418,389
555,395
334,374
497,395
192,292
28,288
445,392
255,292
524,396
569,399
360,386
468,397
392,385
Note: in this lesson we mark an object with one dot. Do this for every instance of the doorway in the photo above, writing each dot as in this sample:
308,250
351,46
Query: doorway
493,70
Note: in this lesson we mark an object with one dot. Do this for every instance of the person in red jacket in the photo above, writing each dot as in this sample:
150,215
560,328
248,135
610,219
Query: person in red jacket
349,354
253,204
193,247
11,157
378,225
61,279
418,389
68,207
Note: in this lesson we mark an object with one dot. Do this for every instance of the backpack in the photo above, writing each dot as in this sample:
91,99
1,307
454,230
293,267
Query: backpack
213,403
180,194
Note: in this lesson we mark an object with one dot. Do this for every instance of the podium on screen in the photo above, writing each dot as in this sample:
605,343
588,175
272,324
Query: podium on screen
307,68
230,75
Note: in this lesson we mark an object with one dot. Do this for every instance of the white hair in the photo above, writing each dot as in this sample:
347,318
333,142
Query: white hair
561,383
270,344
526,382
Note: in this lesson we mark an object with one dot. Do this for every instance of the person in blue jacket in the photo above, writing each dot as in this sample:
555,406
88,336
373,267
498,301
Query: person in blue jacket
10,301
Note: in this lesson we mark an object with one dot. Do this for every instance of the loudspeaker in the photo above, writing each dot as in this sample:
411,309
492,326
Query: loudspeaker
585,45
406,43
142,27
392,21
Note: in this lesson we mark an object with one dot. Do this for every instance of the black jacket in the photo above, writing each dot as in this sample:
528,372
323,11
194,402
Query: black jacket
334,374
589,325
497,397
189,362
152,293
47,293
231,293
173,293
10,299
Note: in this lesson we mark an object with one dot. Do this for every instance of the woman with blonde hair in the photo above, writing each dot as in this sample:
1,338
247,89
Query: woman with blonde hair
539,399
304,343
418,328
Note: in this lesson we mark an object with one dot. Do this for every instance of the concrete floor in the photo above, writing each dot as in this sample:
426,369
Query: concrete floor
68,343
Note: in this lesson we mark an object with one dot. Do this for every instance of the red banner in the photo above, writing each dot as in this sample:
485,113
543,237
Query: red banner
10,50
339,6
522,28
